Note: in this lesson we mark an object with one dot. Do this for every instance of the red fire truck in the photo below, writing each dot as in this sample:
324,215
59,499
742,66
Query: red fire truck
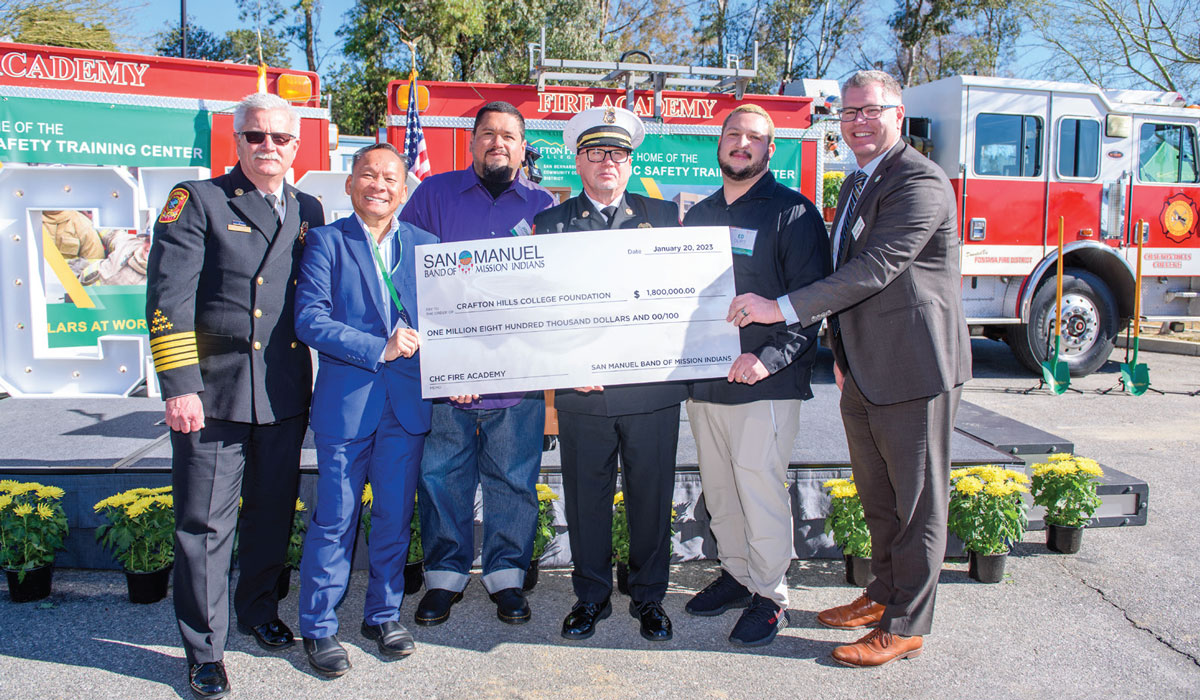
1021,154
120,131
677,161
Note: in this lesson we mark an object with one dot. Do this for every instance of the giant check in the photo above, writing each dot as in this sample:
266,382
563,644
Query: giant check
575,309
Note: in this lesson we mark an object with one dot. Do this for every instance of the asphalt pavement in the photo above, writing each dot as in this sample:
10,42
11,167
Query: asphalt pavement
1119,619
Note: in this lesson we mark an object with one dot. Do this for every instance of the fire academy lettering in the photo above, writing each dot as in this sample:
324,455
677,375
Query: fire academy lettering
572,103
18,64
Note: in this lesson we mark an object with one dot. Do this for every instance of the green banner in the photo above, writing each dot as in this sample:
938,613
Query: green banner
89,133
119,311
667,166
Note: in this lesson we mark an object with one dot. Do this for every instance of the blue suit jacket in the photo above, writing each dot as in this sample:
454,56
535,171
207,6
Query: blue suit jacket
340,313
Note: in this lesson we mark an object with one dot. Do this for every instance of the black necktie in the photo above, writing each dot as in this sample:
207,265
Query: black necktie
860,179
609,212
271,203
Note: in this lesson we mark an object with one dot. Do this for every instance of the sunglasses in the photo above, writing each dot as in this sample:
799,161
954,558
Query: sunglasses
256,137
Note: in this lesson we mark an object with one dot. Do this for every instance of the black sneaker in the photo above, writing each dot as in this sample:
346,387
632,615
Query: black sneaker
758,624
717,597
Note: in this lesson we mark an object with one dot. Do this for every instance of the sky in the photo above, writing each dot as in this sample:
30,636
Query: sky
219,16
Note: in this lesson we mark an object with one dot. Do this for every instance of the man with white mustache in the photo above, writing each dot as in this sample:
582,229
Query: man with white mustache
355,305
219,303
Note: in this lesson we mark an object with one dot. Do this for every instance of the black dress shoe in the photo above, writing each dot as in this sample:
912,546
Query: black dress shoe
393,639
656,626
434,608
208,681
511,606
581,622
272,636
327,656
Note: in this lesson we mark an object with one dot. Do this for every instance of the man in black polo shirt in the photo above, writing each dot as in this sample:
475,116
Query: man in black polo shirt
745,423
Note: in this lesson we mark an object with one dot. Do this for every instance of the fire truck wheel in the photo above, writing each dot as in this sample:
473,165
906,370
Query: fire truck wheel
1089,324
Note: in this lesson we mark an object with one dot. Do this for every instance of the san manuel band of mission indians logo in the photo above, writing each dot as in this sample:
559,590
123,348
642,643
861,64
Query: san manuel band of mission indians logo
503,259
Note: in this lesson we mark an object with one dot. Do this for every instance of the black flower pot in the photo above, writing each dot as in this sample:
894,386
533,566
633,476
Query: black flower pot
148,587
35,586
623,577
531,575
414,576
284,584
987,568
858,571
1063,539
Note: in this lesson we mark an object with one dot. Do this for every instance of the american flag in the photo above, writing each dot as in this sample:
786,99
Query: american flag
414,137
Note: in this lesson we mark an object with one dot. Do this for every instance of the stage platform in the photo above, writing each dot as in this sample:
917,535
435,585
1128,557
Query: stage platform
94,448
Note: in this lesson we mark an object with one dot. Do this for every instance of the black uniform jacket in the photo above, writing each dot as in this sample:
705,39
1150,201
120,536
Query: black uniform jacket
220,290
791,250
633,211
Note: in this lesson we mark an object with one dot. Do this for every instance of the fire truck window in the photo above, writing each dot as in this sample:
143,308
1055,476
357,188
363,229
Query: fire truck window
1079,148
1167,153
1008,145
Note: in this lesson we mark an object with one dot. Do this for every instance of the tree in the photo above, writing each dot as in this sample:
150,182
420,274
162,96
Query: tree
804,38
202,44
77,24
242,46
1123,43
237,46
662,28
467,40
916,25
303,34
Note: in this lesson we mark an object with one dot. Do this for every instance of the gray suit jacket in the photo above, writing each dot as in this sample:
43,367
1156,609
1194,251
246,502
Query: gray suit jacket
898,294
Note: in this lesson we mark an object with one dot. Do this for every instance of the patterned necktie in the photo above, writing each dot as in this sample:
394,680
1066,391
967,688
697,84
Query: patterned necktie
843,244
609,212
860,179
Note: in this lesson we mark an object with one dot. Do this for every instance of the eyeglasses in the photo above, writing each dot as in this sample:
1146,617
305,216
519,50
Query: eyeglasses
256,137
596,155
869,112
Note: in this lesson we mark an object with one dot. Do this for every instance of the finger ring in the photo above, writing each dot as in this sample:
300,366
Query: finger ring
744,313
745,376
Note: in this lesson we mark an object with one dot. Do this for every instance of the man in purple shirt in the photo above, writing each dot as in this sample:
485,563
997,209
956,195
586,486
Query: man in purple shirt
492,441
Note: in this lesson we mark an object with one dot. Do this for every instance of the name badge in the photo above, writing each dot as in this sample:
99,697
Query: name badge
741,240
239,226
522,229
858,227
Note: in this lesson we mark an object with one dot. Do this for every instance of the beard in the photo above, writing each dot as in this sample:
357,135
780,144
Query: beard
753,169
497,173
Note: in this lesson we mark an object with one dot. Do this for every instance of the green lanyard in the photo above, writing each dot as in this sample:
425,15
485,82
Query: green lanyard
387,279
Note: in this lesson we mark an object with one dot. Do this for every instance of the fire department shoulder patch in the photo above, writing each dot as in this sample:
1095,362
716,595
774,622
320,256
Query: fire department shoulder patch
174,206
1178,218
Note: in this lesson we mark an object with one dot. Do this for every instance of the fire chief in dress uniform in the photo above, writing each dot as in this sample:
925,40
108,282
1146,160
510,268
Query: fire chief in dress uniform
219,303
639,422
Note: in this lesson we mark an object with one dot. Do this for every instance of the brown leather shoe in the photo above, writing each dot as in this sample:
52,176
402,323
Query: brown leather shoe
878,648
860,614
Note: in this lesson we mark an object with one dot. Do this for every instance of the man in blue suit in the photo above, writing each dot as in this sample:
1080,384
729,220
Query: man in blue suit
355,304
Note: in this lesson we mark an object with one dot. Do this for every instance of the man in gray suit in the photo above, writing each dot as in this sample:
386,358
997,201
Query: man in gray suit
901,354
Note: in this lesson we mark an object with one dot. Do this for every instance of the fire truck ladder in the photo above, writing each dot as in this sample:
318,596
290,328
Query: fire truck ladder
658,76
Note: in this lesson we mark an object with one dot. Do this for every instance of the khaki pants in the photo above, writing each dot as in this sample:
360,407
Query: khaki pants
743,451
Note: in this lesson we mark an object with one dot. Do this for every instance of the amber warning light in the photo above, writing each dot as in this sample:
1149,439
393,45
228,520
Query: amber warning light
294,88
